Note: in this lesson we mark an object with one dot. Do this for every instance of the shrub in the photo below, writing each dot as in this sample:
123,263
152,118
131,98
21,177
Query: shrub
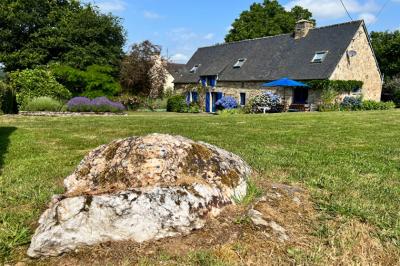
176,103
101,104
132,102
267,99
33,83
351,103
8,103
43,104
227,112
226,102
329,107
391,90
373,105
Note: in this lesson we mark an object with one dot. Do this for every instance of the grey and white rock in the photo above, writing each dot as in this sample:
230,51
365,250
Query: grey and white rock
140,189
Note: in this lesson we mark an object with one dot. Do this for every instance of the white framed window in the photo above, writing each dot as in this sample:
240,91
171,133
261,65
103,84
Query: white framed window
239,63
194,68
319,57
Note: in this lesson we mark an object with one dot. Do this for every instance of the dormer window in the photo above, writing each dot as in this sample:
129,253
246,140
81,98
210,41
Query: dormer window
319,57
194,68
239,63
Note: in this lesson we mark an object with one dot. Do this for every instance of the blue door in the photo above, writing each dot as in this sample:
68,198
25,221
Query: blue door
215,97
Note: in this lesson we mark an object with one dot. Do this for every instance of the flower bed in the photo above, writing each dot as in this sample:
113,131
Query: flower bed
97,105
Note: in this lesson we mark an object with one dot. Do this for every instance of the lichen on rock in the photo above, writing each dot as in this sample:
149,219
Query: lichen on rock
140,188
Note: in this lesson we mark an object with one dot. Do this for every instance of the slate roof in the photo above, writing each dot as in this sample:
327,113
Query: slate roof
175,69
271,58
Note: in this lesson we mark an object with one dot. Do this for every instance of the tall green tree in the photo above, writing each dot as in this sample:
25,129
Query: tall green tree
38,32
266,19
387,49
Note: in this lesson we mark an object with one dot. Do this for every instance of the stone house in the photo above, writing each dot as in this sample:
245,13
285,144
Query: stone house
173,71
238,69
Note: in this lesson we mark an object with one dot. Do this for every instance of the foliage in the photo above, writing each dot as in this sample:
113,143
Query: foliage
32,83
271,101
387,50
8,101
43,104
351,103
35,33
228,112
391,90
94,81
226,102
339,86
373,105
176,103
266,19
143,71
98,105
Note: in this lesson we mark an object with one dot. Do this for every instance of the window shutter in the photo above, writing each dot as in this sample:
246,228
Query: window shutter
207,102
194,96
204,81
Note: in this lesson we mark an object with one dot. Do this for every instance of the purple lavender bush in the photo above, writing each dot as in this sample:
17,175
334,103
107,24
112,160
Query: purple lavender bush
226,102
79,104
98,105
102,104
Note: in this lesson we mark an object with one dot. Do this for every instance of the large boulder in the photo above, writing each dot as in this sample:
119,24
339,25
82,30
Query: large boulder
140,189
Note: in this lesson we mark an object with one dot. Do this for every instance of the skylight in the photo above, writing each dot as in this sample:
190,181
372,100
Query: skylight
194,68
319,57
239,63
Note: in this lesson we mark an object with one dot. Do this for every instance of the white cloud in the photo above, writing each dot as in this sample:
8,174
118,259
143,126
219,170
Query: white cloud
179,58
368,18
182,34
111,5
209,36
329,9
151,15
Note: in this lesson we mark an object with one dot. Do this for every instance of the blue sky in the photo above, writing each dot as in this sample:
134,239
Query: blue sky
181,26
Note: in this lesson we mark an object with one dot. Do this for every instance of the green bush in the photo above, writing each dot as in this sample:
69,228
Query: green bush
33,83
373,105
176,103
227,112
43,104
8,103
95,81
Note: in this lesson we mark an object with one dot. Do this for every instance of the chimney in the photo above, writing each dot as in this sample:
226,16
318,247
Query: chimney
302,27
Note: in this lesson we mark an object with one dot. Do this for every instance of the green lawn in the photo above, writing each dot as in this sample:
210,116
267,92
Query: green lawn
349,161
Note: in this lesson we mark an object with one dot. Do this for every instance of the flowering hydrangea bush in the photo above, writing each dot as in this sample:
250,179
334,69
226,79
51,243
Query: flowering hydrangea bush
351,103
226,103
272,102
100,104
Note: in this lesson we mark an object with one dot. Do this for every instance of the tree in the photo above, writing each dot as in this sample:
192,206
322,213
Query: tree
266,19
387,49
143,70
94,81
38,32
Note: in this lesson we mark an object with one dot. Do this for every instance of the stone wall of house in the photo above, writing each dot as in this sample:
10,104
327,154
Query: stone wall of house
251,89
361,67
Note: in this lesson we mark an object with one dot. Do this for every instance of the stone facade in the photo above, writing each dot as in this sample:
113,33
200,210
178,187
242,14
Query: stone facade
362,66
251,89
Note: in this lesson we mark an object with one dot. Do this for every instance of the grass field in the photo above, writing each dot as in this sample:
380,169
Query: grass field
350,162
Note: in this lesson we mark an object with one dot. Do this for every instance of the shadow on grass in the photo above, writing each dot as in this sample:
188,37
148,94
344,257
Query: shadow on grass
5,133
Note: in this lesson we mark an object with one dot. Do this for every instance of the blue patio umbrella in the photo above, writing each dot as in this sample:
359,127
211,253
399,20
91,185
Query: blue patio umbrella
284,82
